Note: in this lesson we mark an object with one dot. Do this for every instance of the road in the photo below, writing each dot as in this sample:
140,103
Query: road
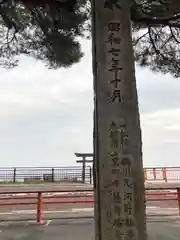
43,187
158,229
27,210
77,219
71,186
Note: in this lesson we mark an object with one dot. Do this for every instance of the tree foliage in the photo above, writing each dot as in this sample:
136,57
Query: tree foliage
47,32
157,35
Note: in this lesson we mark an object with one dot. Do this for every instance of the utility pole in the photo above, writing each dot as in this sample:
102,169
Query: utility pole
119,184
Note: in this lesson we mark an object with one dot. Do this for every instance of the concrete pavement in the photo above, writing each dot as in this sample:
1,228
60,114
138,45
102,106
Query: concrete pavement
158,229
76,213
163,229
76,223
72,186
43,187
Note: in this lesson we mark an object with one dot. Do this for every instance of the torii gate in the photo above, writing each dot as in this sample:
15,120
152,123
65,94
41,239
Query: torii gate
83,160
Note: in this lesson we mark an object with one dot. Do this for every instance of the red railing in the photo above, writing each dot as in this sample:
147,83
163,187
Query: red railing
79,197
165,174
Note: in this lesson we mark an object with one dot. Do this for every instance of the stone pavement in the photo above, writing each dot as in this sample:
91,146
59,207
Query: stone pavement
158,229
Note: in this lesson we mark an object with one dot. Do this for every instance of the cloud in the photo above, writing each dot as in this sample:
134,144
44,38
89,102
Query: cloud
46,115
161,137
156,91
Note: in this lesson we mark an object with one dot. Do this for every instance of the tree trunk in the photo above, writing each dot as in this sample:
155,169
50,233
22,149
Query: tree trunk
119,194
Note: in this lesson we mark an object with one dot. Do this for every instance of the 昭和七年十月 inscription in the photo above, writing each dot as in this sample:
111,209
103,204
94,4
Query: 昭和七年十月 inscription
113,62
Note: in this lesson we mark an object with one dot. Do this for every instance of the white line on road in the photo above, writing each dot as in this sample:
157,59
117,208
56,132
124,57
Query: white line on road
76,210
82,209
154,207
23,211
48,211
47,223
6,213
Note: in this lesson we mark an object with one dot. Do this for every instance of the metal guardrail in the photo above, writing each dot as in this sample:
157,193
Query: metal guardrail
77,174
37,175
76,197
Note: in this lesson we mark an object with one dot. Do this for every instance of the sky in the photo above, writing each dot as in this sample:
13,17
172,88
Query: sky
46,115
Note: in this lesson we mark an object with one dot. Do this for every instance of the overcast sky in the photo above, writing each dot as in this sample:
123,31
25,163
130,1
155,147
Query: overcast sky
46,115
